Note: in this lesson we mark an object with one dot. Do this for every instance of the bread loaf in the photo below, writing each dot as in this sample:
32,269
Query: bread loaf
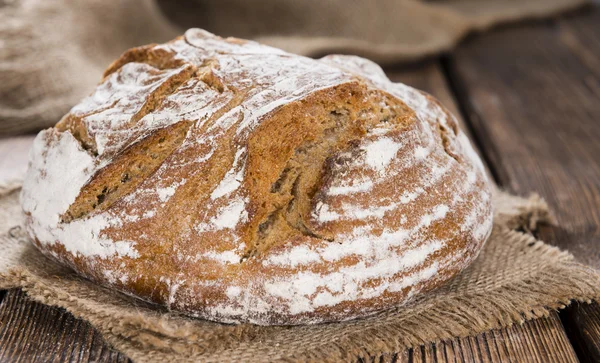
238,183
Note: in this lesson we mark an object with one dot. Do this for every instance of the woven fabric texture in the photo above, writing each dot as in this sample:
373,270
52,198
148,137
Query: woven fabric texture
515,278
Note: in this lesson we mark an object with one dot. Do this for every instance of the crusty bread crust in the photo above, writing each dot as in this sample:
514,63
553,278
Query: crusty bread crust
239,183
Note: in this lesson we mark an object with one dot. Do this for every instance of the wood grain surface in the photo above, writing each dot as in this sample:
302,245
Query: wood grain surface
537,115
33,332
542,340
583,325
530,94
532,97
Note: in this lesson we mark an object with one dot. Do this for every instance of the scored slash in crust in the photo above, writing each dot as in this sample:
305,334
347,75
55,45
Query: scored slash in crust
239,183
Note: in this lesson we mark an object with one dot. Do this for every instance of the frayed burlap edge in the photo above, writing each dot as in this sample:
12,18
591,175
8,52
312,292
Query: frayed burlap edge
151,335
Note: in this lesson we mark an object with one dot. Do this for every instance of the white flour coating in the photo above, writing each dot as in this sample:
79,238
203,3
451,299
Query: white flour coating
173,287
383,259
277,79
114,276
232,180
149,214
421,152
356,186
324,214
231,256
109,109
439,212
379,259
300,290
346,284
416,100
467,148
380,152
361,242
300,255
164,194
432,175
225,257
233,292
116,100
48,192
229,217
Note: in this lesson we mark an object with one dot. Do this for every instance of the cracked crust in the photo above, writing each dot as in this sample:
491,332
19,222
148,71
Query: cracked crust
239,183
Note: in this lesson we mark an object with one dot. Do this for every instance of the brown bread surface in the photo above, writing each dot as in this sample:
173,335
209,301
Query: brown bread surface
239,183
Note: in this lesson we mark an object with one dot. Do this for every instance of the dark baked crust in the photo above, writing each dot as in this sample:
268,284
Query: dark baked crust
239,183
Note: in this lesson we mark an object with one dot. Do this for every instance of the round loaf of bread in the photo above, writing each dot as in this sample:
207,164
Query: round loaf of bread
238,183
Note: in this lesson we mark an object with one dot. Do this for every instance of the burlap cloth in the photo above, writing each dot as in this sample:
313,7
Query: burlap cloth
52,53
515,278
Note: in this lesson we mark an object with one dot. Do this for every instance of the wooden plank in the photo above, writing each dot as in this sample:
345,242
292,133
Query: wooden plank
537,103
585,330
542,340
532,94
30,331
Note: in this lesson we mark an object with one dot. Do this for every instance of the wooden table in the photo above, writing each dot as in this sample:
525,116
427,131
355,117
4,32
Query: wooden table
529,95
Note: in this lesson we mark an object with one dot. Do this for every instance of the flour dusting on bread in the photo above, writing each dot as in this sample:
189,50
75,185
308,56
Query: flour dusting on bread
240,183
